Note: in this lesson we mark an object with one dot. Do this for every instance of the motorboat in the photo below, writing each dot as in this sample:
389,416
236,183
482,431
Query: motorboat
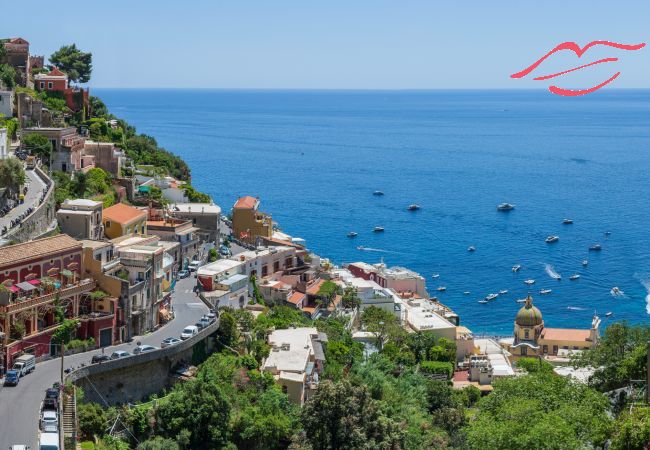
574,277
503,292
616,291
505,207
352,234
378,193
471,248
413,207
378,229
361,247
516,268
595,248
466,293
435,275
545,291
521,300
567,221
491,297
552,239
529,282
441,289
585,262
609,314
483,301
607,233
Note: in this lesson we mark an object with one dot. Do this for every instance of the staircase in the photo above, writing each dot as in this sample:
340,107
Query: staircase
70,419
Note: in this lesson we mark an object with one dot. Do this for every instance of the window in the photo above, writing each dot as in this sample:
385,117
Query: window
108,224
555,349
524,351
49,85
42,84
545,349
526,334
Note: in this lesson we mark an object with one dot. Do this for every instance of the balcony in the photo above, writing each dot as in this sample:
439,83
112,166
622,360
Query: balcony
65,292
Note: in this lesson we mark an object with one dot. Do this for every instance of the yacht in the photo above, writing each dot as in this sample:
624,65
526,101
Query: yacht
378,193
521,300
491,297
505,207
616,291
551,239
435,275
441,289
471,248
466,293
361,247
378,229
503,292
529,282
574,277
352,234
483,301
607,233
516,268
595,248
585,262
413,207
609,314
567,221
545,291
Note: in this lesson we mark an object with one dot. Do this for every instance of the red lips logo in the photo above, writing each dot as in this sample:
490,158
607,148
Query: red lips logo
575,48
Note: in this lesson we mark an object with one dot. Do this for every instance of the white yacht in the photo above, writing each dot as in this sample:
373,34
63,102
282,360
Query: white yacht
378,229
503,292
616,291
545,291
516,267
435,275
609,314
521,300
505,207
471,248
413,207
529,282
552,239
585,262
491,297
466,293
595,248
483,301
574,277
378,193
352,234
441,289
567,221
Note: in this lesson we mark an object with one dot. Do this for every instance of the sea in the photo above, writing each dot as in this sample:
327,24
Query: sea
314,158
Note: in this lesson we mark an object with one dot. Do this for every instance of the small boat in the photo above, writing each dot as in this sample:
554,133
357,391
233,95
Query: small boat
585,262
491,297
471,248
574,277
378,229
567,221
441,289
595,248
352,234
529,282
483,301
551,239
435,275
607,233
616,291
609,314
544,291
361,247
521,300
378,193
413,207
503,292
516,268
466,293
505,207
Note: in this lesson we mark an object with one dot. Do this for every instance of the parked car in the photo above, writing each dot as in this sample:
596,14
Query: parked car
199,325
51,400
168,342
120,354
49,441
49,421
189,331
212,315
224,251
194,265
183,274
25,364
100,359
205,320
143,349
12,377
19,447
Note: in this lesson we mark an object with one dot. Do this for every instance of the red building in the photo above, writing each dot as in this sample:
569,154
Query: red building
56,81
39,285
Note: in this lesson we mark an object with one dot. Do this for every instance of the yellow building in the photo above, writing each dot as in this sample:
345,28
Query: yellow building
532,338
248,223
121,220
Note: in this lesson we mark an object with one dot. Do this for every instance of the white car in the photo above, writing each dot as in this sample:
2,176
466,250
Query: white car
193,266
49,422
120,354
189,331
168,342
144,349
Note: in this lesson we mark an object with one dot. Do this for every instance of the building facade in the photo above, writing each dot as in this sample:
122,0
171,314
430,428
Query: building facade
105,156
249,223
81,218
67,147
56,81
123,220
7,104
177,230
4,149
205,216
398,279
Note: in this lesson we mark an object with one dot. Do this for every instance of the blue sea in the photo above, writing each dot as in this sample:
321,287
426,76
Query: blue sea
315,158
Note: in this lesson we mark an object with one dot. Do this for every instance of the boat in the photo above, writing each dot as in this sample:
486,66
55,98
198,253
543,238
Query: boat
616,291
378,229
378,193
483,301
516,268
567,221
585,262
505,207
551,239
466,293
529,282
503,292
441,289
595,248
361,247
471,248
609,314
607,233
352,234
435,275
491,297
574,277
413,207
521,300
544,291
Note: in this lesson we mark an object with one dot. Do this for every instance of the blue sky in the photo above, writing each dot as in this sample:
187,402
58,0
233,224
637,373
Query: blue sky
334,44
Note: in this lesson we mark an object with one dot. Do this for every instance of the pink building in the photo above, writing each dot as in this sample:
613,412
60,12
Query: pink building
396,278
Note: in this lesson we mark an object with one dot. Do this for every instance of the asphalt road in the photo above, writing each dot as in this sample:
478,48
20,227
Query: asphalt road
20,405
34,192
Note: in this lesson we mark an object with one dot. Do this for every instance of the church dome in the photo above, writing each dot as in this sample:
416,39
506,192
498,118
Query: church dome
529,315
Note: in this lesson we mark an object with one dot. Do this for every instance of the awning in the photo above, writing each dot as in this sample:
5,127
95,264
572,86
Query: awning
25,286
34,282
66,272
13,288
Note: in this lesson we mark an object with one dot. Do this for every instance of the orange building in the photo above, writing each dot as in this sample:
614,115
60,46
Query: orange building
121,220
248,223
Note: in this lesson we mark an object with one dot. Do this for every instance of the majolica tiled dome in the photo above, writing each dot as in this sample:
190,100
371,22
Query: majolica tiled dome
529,315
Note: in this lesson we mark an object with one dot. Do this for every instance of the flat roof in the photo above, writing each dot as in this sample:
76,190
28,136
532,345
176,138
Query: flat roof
88,243
233,279
197,208
80,202
218,266
422,316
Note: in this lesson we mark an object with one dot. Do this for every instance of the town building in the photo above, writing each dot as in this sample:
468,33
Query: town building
296,360
4,149
81,219
180,231
264,261
398,279
205,216
223,283
369,292
6,104
123,220
67,147
17,56
56,81
31,112
423,315
249,224
39,279
106,156
532,338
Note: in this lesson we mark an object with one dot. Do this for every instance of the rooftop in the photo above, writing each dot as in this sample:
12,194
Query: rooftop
88,243
247,202
123,214
219,266
39,248
83,202
204,208
291,349
566,334
421,315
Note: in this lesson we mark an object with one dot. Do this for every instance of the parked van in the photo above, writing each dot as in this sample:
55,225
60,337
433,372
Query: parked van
189,331
194,265
24,364
49,441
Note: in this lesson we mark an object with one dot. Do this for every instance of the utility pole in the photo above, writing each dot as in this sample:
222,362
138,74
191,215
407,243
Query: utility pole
62,358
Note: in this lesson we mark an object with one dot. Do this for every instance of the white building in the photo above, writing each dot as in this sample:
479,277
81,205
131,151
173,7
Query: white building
224,283
421,315
497,356
4,149
369,292
263,261
81,218
400,279
205,216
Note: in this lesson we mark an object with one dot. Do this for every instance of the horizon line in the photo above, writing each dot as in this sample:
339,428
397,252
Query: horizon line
342,89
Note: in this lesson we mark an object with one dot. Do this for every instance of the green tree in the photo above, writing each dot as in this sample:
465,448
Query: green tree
344,416
64,332
533,365
195,196
97,107
350,298
228,333
76,64
7,76
632,430
12,174
159,443
383,324
92,420
38,145
213,255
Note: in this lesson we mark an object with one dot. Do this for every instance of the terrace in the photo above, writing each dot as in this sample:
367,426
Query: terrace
40,292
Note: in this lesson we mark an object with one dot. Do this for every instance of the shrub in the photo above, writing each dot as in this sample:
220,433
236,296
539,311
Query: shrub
437,368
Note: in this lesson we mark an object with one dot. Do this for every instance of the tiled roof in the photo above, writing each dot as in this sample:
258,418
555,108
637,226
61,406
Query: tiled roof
36,249
566,334
123,214
314,288
296,298
247,202
55,72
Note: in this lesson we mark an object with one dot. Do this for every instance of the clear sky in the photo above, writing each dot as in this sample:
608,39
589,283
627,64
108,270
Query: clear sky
371,44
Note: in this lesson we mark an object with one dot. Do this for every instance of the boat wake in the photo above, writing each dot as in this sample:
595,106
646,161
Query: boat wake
550,271
645,281
576,308
370,249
